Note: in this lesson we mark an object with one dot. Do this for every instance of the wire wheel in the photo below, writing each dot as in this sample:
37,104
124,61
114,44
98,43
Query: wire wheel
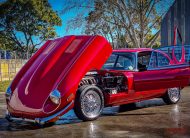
89,103
172,95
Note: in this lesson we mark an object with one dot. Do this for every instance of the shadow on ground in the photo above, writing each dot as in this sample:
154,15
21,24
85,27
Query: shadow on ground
70,117
151,118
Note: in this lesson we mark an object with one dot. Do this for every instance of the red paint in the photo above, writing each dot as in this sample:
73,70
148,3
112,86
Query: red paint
62,63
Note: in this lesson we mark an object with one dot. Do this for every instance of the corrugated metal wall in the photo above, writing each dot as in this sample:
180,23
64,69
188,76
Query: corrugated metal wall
178,15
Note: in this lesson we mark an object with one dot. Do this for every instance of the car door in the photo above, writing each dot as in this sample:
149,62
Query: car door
160,74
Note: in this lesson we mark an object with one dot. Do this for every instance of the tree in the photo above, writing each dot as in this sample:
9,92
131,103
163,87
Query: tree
6,45
126,23
25,24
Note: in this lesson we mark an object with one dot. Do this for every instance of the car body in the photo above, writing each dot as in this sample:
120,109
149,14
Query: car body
78,72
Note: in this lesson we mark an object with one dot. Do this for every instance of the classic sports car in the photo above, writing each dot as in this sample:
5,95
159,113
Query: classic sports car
82,72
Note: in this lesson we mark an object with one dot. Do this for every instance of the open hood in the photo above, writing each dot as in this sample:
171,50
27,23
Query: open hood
58,64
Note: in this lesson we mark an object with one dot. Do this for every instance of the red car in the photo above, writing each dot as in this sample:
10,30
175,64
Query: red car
82,72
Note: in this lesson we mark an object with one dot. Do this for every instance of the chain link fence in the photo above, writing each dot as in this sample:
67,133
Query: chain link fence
14,55
10,63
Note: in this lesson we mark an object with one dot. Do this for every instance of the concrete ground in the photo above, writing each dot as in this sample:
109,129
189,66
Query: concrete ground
150,118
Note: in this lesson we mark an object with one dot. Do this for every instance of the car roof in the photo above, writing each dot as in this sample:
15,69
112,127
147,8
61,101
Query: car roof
138,50
133,50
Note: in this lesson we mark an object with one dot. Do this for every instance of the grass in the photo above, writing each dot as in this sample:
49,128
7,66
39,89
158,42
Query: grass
4,85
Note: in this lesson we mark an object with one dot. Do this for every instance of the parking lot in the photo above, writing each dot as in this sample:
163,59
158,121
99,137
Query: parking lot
150,118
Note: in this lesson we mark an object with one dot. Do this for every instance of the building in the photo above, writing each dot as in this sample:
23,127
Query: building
177,16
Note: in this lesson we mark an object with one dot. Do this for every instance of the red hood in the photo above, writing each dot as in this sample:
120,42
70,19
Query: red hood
51,64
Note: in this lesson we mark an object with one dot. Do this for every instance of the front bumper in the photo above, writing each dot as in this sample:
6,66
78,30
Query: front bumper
41,121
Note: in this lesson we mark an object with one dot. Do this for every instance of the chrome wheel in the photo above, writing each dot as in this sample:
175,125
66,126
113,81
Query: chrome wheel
91,104
174,94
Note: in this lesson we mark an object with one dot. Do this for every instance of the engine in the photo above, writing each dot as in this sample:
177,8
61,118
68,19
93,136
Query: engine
114,84
109,82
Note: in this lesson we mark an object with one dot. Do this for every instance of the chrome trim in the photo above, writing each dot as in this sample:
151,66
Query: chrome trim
169,67
22,119
136,62
92,73
40,121
44,120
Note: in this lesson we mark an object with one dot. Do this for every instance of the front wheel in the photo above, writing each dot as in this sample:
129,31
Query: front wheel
89,103
172,96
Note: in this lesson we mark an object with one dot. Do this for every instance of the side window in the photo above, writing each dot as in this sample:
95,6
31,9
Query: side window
153,60
124,63
162,60
144,58
158,60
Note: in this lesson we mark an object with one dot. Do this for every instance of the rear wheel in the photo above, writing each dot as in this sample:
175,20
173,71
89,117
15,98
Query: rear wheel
172,96
89,103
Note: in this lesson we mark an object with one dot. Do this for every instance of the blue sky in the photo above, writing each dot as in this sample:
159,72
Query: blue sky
58,5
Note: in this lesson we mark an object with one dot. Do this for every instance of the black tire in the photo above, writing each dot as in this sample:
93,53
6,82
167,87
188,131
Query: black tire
89,97
172,96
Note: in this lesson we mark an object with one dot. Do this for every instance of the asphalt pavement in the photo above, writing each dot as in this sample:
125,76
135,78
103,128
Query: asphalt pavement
151,118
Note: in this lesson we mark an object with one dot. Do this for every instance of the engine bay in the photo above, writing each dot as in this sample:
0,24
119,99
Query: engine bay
109,82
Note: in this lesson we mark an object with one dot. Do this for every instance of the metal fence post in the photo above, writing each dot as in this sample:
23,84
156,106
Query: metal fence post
0,69
5,53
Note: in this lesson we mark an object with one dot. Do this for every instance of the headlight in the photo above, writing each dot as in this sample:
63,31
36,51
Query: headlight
55,96
8,93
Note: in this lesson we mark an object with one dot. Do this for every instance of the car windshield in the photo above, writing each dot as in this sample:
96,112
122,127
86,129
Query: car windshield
121,61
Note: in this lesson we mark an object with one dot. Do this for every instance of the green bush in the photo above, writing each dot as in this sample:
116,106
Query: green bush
4,85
